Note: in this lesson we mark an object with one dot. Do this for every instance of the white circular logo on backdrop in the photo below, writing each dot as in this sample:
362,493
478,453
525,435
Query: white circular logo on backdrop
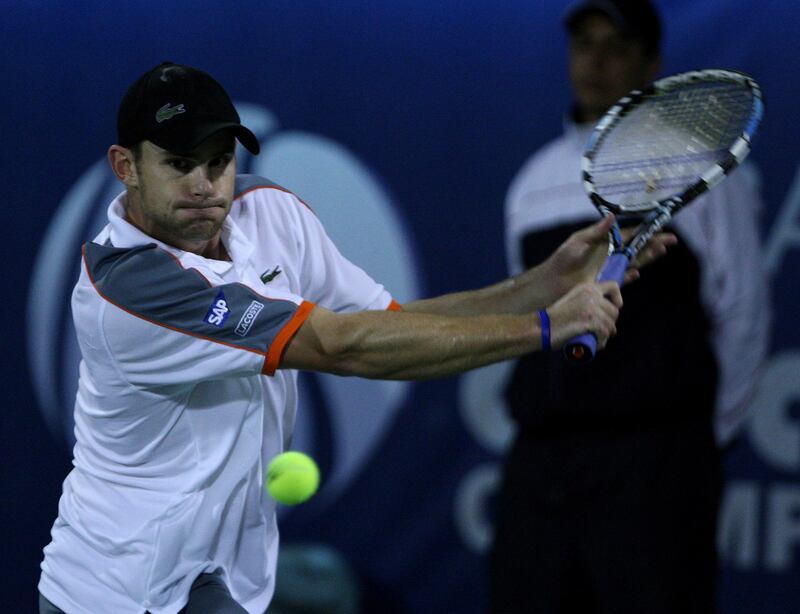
358,214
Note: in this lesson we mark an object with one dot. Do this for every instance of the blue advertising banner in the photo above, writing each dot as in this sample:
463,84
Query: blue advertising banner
402,125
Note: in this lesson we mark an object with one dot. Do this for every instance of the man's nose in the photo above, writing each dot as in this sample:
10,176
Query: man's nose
202,181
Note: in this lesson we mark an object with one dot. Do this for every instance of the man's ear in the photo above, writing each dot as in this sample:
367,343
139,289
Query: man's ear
123,165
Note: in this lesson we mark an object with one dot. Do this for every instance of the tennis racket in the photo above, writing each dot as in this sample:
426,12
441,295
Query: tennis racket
657,150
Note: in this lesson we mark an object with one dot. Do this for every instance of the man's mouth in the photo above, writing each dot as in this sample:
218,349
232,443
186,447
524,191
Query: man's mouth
203,205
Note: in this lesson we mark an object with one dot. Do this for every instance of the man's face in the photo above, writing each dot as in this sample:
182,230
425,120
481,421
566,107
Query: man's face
183,199
605,65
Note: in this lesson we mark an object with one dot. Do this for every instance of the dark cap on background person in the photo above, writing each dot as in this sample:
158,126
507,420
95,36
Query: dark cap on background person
178,107
637,19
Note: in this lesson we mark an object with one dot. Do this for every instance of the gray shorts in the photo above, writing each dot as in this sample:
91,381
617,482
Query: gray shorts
209,595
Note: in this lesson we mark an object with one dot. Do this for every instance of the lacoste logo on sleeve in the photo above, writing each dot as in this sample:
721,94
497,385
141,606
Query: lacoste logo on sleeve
269,275
168,112
250,315
218,312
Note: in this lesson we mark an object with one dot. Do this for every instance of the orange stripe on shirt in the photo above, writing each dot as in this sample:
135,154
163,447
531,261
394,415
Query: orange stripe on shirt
278,346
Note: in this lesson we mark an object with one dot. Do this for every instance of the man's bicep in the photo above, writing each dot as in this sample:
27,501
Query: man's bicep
321,342
313,344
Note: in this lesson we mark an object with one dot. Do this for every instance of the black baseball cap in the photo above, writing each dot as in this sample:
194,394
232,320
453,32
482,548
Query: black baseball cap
178,107
637,19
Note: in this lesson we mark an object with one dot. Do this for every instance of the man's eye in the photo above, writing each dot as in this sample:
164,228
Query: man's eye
180,165
222,161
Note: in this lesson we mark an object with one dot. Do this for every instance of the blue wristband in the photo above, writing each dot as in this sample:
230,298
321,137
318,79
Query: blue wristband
544,321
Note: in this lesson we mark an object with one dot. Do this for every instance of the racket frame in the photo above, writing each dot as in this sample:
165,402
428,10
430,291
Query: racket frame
655,214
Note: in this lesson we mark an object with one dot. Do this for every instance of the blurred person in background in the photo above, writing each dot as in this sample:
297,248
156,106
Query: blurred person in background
611,491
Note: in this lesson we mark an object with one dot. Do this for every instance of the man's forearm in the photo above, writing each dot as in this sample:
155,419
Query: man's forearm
524,293
409,345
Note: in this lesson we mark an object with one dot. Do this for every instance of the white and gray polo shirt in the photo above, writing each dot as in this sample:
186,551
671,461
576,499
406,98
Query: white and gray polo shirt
180,404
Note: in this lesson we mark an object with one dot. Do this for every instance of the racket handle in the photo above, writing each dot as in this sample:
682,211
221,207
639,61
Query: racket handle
582,348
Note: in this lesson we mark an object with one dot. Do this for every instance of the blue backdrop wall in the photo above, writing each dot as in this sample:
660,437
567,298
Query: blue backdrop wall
402,124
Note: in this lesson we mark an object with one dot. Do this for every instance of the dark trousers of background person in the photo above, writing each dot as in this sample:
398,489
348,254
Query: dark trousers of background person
613,523
209,595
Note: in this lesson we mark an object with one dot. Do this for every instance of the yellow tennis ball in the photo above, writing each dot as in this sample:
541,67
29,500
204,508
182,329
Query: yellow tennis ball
292,478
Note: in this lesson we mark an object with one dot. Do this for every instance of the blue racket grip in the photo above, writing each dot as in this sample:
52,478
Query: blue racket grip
583,347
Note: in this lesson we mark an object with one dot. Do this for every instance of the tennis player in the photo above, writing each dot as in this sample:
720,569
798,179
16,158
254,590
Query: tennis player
196,305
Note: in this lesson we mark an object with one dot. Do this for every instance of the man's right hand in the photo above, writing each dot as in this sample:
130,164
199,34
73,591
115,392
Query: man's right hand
588,307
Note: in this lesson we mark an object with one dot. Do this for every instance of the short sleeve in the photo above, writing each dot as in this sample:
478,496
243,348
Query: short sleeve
164,324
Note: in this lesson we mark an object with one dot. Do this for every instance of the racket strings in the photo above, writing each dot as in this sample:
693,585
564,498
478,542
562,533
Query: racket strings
714,112
668,140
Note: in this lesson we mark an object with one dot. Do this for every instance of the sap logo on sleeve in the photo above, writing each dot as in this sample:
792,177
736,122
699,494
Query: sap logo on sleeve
246,322
219,311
